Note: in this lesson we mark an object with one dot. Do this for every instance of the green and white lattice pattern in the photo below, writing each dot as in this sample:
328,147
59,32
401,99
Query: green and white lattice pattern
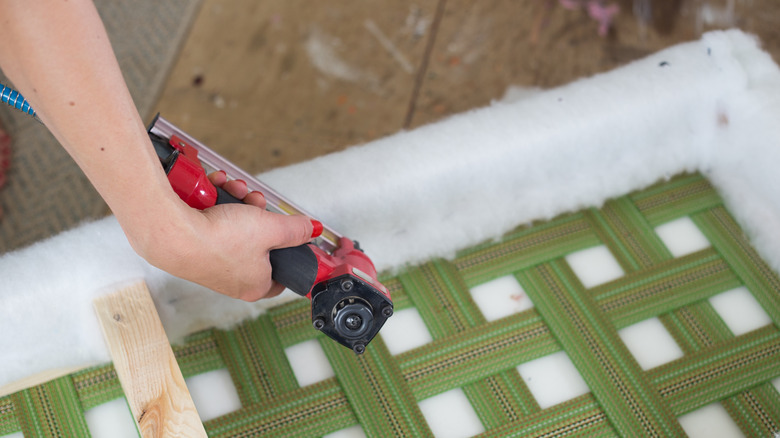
651,316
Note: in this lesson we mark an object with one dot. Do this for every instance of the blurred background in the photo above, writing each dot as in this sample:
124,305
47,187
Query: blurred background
274,82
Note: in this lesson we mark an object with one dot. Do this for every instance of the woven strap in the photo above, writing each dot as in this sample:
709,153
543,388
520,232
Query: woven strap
380,392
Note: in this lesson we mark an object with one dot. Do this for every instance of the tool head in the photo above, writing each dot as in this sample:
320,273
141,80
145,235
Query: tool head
349,310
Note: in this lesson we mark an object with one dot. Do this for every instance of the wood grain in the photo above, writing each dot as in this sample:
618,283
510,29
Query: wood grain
147,369
39,379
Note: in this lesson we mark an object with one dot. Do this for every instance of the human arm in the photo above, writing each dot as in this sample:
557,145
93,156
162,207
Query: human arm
58,55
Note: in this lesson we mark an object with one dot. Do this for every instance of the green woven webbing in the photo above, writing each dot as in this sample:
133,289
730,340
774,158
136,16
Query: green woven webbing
51,409
593,346
579,417
380,392
311,411
721,229
524,248
620,225
375,388
8,422
255,358
664,288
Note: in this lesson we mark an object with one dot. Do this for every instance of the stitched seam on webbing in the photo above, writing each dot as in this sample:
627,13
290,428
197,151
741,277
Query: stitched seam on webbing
719,370
476,353
300,415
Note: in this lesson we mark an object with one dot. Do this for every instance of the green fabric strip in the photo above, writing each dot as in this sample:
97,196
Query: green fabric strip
500,399
756,412
489,403
727,369
198,354
256,361
726,236
525,247
51,410
476,354
442,298
375,388
580,417
8,421
630,402
521,395
664,288
683,195
312,411
292,322
676,324
97,385
696,327
627,234
401,299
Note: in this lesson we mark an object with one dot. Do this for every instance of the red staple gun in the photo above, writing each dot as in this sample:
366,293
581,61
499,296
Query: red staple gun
348,303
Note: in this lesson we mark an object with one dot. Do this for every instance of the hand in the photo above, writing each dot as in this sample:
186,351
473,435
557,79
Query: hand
226,247
59,57
238,189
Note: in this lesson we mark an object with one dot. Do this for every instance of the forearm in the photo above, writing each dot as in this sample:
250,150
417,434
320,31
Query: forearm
58,55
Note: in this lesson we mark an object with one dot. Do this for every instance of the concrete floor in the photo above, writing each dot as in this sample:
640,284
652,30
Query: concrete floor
276,82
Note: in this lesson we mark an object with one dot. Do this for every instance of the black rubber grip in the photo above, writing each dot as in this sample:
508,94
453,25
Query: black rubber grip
295,268
223,197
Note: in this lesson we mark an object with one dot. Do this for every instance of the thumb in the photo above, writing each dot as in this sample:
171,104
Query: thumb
289,231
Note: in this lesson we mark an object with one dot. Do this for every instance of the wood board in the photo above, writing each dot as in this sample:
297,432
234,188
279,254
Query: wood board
151,379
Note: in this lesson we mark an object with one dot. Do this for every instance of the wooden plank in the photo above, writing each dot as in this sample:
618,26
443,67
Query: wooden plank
146,366
39,379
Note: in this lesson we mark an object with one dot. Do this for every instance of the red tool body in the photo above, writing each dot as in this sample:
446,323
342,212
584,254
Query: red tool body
349,304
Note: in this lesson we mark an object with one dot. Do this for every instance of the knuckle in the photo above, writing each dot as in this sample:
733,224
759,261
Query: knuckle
250,296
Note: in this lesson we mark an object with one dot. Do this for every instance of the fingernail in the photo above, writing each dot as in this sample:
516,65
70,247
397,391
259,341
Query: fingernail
317,231
241,181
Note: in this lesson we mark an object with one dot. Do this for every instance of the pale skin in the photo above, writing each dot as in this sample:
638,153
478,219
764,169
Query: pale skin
57,54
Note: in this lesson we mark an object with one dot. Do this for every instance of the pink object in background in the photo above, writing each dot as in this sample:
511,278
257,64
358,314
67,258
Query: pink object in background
597,10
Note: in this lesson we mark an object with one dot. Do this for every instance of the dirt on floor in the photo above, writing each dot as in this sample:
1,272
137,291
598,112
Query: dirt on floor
276,82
